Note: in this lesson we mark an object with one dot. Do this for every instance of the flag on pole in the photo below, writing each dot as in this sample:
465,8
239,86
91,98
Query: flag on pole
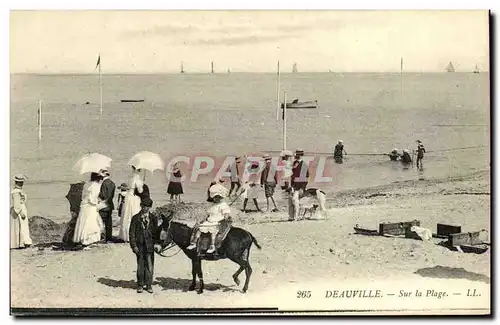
98,62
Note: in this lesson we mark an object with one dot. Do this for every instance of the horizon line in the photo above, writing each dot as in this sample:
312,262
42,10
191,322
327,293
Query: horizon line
240,72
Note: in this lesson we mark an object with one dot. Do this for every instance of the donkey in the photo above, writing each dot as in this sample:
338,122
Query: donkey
236,247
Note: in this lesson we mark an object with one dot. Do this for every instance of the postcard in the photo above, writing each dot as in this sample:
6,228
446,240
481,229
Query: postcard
250,162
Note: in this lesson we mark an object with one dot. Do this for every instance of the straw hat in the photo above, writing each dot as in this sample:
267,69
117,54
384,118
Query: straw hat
286,153
19,178
341,142
405,150
395,149
419,141
299,152
267,157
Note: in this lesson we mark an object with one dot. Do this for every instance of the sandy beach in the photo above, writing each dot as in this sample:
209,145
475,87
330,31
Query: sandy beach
295,256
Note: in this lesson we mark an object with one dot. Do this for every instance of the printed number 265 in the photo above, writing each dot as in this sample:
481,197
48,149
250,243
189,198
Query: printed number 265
303,294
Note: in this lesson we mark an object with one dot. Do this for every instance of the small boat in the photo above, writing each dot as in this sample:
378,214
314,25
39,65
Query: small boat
450,67
366,232
476,69
132,100
295,104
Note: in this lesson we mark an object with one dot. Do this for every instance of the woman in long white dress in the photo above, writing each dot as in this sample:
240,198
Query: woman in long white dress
89,225
19,223
131,204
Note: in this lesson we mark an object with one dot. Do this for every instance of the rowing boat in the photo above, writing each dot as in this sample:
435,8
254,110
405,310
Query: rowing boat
297,104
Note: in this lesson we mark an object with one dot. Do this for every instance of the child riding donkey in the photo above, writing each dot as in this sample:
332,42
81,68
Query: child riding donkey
218,212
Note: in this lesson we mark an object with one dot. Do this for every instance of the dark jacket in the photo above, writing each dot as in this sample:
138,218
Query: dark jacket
265,175
107,194
144,238
144,194
405,158
420,151
339,151
297,170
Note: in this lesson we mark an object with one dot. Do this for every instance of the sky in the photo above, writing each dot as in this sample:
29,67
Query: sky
247,41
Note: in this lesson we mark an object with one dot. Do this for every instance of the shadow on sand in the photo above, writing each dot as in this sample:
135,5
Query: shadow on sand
444,272
166,284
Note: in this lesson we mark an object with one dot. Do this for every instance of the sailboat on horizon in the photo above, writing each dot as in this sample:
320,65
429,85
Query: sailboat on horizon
182,67
476,69
294,69
450,67
212,67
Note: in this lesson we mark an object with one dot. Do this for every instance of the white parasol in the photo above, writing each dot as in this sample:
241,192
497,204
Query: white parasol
147,160
92,163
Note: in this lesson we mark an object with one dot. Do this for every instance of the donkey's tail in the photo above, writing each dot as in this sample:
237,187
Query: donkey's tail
255,241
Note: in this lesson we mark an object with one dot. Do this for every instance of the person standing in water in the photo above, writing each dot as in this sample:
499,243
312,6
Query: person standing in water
420,154
406,158
394,155
338,152
19,223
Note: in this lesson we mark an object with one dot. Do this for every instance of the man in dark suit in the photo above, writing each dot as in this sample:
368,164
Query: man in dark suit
106,196
144,233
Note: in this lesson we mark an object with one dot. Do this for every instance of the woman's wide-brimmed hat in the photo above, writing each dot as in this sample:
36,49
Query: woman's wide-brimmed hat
267,157
219,190
405,150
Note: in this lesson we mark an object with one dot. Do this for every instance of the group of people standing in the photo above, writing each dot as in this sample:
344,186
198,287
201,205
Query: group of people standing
95,215
405,157
252,187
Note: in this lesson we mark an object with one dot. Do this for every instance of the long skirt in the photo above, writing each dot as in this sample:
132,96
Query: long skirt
131,207
89,225
70,229
19,229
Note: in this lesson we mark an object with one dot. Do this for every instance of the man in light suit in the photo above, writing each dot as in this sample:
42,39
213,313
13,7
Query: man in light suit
106,196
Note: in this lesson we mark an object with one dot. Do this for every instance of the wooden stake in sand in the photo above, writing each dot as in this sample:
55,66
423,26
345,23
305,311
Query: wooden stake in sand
284,121
278,104
39,120
98,65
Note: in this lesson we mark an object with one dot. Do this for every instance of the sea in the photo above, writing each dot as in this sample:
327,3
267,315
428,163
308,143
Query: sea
218,115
